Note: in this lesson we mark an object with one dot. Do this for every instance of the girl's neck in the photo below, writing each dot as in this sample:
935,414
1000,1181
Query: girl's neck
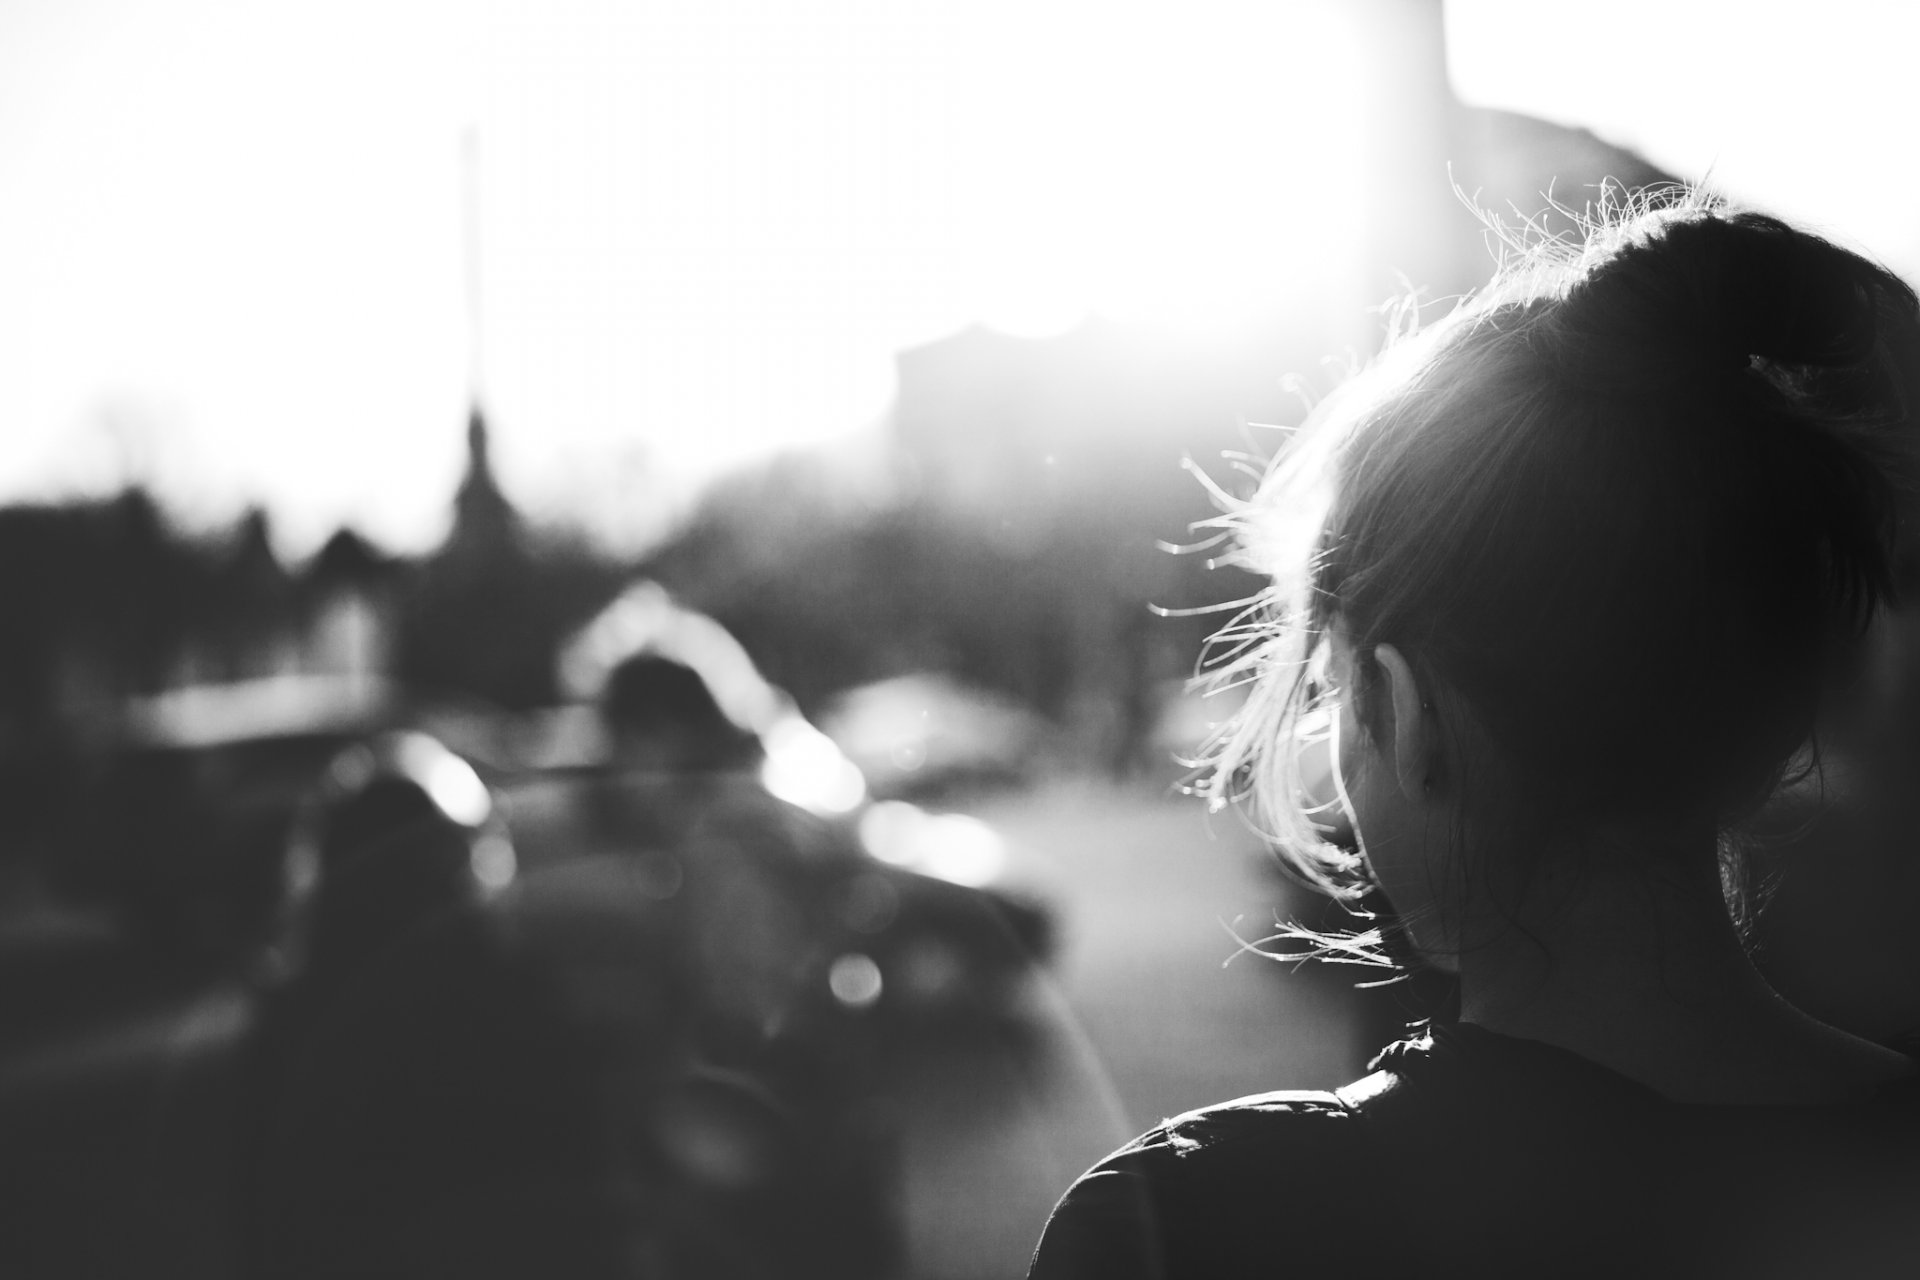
1644,973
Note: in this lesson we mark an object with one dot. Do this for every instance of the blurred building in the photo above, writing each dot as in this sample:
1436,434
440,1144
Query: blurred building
352,601
113,608
485,524
483,617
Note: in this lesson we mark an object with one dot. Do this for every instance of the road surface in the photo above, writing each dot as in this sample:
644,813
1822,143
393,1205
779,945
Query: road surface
1148,1011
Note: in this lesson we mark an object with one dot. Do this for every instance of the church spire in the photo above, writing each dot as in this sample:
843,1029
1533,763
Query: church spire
483,518
471,229
482,514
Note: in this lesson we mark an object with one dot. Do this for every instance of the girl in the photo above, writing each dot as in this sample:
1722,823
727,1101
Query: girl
1564,584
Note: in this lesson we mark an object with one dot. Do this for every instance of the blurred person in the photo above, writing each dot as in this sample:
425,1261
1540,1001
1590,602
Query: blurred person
401,829
661,717
628,1064
1566,584
749,892
398,833
750,876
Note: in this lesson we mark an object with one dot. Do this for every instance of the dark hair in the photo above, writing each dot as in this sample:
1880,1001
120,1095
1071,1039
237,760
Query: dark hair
653,696
1623,512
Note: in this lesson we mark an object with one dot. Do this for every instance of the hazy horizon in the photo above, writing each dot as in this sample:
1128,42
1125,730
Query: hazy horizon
234,258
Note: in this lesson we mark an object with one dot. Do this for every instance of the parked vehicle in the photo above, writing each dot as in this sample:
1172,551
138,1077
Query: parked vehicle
926,736
184,815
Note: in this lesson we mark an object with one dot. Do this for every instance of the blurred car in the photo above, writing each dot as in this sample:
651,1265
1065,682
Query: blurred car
927,735
183,821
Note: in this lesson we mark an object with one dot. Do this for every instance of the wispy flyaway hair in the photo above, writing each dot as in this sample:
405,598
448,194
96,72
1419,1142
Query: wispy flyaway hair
1625,511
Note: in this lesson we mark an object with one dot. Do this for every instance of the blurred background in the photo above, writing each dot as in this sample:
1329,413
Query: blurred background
628,543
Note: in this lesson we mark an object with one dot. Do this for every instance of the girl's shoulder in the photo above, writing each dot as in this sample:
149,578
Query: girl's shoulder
1221,1187
1227,1127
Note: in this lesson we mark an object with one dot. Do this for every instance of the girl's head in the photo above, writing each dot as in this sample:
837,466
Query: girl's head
1579,561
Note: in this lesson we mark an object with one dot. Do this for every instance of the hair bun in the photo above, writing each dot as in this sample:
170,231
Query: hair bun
1728,287
1784,296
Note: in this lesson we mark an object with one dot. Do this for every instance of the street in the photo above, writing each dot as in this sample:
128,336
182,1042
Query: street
1148,1012
1148,1009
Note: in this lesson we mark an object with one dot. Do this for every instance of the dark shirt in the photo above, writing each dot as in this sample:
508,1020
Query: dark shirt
1472,1153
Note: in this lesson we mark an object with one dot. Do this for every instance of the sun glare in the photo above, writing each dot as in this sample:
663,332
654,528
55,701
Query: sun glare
233,242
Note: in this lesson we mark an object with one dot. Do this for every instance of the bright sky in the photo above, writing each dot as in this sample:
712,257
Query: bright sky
232,265
1808,109
230,234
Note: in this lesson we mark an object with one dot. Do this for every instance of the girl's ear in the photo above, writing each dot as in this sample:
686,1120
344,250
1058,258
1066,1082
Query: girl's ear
1412,727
